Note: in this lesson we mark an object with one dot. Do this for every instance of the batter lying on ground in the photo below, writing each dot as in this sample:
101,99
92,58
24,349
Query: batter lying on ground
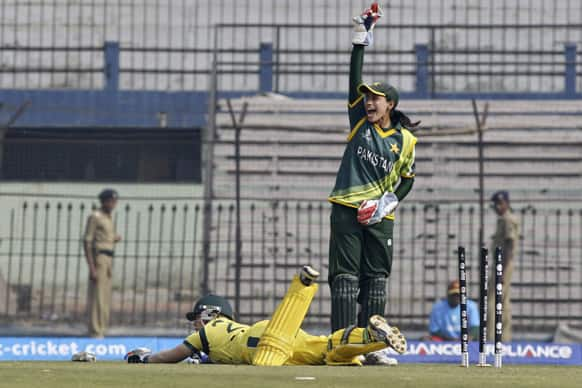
279,341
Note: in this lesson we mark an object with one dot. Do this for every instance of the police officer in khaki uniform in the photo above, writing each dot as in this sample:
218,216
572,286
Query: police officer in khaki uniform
100,239
506,236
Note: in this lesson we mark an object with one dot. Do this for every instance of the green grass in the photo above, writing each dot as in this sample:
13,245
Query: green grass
69,374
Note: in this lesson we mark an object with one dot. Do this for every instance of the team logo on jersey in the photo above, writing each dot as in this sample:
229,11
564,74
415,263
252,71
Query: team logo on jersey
367,135
394,148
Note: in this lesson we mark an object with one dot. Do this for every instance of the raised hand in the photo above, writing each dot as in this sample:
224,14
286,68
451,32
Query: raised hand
364,25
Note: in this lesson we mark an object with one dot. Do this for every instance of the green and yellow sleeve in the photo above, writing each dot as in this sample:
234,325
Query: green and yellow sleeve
407,169
408,166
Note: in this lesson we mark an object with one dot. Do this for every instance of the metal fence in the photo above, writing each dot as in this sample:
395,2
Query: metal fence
173,251
161,264
439,59
424,59
478,45
44,272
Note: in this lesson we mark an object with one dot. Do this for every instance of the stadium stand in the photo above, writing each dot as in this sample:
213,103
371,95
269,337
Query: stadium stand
290,149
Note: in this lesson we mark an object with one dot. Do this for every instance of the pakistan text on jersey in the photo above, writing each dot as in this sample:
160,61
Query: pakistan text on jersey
375,159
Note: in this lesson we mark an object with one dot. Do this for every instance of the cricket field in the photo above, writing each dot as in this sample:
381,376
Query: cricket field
118,374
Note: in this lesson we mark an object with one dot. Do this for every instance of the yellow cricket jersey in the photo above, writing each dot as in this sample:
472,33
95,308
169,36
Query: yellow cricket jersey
226,341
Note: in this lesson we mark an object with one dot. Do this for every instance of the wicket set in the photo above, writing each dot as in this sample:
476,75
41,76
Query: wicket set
483,310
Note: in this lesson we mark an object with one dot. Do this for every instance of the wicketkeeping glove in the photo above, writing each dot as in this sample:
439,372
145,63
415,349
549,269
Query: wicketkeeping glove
138,356
364,24
373,211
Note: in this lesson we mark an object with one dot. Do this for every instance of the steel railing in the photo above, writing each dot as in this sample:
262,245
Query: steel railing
159,266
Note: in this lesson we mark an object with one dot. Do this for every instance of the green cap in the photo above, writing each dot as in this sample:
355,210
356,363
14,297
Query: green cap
381,89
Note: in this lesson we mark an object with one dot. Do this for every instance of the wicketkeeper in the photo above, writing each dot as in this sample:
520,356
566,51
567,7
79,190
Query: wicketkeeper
375,175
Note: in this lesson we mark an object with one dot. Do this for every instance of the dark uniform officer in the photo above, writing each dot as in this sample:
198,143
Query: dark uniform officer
506,236
99,243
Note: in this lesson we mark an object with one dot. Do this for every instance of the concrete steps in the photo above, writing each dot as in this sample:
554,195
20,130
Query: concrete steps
292,148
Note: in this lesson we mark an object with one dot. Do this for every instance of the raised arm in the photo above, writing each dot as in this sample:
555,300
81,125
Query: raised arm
356,109
362,36
356,63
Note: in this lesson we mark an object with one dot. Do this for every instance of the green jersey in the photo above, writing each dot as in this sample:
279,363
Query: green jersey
375,158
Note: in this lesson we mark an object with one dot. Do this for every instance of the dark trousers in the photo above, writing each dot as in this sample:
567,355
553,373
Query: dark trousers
355,249
360,261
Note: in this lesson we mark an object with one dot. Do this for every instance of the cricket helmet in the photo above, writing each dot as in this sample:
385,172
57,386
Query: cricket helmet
209,307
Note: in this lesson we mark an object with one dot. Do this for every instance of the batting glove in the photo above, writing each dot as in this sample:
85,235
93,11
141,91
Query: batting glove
138,356
373,211
198,358
84,357
364,25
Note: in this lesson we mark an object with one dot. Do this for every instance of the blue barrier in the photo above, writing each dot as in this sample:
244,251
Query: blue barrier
513,353
114,348
62,348
266,67
105,108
